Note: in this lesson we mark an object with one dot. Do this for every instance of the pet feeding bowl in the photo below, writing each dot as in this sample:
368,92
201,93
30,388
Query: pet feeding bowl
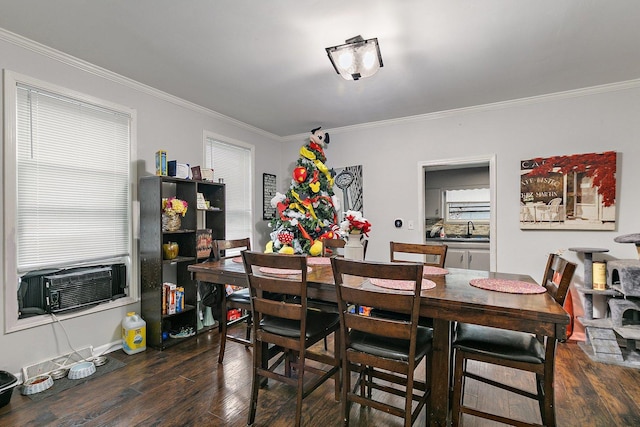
37,384
81,370
99,360
58,374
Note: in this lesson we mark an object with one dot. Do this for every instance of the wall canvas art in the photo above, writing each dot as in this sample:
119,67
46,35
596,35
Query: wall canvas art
348,188
576,192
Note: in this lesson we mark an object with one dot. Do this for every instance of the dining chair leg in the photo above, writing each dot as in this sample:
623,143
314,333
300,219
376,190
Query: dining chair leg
458,385
549,411
408,400
255,383
300,391
427,379
337,352
287,363
346,387
248,331
223,335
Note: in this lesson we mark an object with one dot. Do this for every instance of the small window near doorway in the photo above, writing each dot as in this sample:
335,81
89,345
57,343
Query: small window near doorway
467,205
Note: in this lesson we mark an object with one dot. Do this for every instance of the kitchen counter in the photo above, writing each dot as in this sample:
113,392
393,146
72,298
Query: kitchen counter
461,239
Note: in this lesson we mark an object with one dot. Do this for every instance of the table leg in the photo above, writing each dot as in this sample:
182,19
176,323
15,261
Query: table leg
440,374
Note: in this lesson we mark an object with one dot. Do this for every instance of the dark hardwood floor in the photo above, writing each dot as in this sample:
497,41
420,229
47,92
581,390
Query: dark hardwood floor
185,386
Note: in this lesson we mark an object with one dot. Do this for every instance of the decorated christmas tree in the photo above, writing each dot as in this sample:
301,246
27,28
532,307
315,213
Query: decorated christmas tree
307,213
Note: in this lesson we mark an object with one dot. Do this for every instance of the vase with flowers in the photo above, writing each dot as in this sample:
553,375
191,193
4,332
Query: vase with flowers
353,228
172,210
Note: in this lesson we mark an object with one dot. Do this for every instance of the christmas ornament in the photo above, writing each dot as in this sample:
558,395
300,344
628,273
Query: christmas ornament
316,248
300,174
286,250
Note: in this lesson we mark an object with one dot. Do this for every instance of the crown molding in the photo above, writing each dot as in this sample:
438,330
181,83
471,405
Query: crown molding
88,67
588,91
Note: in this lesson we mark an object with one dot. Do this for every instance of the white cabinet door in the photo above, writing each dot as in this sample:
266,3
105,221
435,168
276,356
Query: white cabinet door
479,259
432,203
456,258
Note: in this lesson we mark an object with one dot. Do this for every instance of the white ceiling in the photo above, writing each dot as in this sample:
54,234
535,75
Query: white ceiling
264,63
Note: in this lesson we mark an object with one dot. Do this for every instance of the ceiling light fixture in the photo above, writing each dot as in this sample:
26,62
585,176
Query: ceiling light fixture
357,58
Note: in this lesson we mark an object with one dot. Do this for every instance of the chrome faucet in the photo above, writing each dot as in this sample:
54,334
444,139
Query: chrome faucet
470,227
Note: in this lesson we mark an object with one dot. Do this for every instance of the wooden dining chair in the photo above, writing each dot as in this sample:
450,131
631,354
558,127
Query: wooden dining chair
290,325
237,299
518,350
383,352
401,252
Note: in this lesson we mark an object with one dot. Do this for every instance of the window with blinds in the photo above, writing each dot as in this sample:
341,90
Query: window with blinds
73,181
468,205
234,164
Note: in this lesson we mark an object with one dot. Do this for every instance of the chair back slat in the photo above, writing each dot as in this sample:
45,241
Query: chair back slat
397,302
284,285
221,245
372,325
273,260
383,270
278,308
396,248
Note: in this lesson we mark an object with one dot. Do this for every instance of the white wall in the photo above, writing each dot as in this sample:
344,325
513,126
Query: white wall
595,120
164,122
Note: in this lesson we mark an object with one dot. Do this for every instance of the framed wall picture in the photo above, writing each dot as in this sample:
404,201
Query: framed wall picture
268,192
195,172
575,192
348,188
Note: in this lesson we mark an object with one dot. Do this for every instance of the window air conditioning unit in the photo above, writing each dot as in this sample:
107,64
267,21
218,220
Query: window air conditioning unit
57,291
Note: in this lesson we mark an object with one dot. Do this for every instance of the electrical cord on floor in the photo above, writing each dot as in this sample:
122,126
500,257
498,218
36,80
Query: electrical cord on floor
84,359
66,334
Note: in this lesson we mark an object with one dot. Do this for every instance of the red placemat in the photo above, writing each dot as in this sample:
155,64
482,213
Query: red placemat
321,260
237,259
281,271
401,285
508,286
434,271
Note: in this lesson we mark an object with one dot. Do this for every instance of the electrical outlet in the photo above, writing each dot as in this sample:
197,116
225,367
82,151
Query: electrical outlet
410,225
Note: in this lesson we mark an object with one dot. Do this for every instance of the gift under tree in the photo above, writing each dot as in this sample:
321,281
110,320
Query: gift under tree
307,213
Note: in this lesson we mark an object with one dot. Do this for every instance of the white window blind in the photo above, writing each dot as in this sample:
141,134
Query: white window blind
467,205
233,164
73,181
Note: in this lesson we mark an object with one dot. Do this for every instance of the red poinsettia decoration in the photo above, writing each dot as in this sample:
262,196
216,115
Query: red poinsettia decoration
354,222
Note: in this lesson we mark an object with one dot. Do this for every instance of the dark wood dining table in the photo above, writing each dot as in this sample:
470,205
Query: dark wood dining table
452,300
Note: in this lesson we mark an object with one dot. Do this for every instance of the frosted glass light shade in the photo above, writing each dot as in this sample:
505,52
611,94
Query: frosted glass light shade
357,58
